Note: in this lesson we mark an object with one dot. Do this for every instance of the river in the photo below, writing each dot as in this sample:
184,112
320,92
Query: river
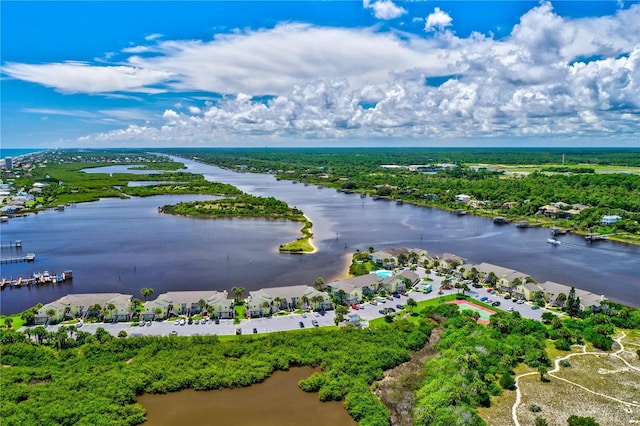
276,401
116,245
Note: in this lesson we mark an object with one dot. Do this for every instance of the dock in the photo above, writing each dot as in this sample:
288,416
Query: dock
29,257
12,244
596,237
37,279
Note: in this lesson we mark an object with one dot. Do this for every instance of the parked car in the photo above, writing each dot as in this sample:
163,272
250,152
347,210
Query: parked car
476,285
141,324
520,302
183,321
507,296
238,331
396,295
315,323
373,302
177,322
489,290
361,306
399,306
322,313
510,309
382,311
301,324
196,322
148,324
217,321
534,307
390,310
304,315
315,314
174,332
255,330
484,298
356,307
404,293
496,303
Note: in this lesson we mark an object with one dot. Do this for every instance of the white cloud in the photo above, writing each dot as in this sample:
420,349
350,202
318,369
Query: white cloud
437,20
341,83
384,9
153,36
80,77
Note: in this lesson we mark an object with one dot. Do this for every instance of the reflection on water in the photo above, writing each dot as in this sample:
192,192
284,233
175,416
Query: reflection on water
276,401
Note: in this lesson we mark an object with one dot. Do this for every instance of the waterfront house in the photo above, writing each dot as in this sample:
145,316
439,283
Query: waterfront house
270,300
588,300
450,261
109,306
463,198
610,219
505,277
526,291
187,303
353,290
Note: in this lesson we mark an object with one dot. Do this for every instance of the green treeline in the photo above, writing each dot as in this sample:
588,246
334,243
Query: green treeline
94,380
244,205
514,197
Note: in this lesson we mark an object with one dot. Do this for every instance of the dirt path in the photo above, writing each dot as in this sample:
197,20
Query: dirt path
396,390
556,368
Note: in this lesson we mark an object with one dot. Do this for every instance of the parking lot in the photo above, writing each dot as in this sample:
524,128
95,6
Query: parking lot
292,321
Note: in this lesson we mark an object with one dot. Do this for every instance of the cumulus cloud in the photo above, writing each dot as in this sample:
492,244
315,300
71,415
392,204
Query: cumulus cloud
437,20
551,76
384,9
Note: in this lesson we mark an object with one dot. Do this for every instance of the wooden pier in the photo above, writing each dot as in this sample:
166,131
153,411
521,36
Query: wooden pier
12,244
29,257
38,279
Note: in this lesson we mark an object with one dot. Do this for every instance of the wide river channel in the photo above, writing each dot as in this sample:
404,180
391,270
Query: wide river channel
121,246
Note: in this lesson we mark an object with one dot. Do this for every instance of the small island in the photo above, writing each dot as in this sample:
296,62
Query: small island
249,206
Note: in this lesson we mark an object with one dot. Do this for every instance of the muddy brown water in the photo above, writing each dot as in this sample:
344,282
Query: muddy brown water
276,401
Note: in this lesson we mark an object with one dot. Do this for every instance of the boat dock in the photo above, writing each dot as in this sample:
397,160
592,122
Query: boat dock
38,279
29,257
596,237
12,244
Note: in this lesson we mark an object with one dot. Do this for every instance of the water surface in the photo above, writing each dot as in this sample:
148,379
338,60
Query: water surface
277,401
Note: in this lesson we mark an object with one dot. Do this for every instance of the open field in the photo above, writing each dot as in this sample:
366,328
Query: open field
530,168
596,384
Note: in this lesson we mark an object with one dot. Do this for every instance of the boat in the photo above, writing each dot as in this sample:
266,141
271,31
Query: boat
4,218
522,224
399,202
554,242
461,212
363,195
499,220
558,231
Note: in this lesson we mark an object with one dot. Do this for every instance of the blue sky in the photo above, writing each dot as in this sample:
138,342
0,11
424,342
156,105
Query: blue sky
328,73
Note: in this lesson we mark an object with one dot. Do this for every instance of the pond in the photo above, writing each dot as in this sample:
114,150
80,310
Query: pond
275,402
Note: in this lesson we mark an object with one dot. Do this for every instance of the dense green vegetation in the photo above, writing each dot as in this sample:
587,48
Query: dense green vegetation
73,377
61,172
248,206
516,197
76,378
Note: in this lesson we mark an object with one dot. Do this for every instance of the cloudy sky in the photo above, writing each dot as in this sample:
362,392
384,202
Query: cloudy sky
334,73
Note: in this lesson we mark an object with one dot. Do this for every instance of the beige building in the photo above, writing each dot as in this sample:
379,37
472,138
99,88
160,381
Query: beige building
112,307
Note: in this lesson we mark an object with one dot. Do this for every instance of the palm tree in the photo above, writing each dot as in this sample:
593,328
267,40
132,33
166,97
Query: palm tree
110,308
8,322
305,301
411,303
146,292
318,283
277,301
158,312
237,292
316,300
201,304
265,308
51,312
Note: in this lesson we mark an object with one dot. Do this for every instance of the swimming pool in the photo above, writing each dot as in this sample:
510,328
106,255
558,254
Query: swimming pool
382,273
